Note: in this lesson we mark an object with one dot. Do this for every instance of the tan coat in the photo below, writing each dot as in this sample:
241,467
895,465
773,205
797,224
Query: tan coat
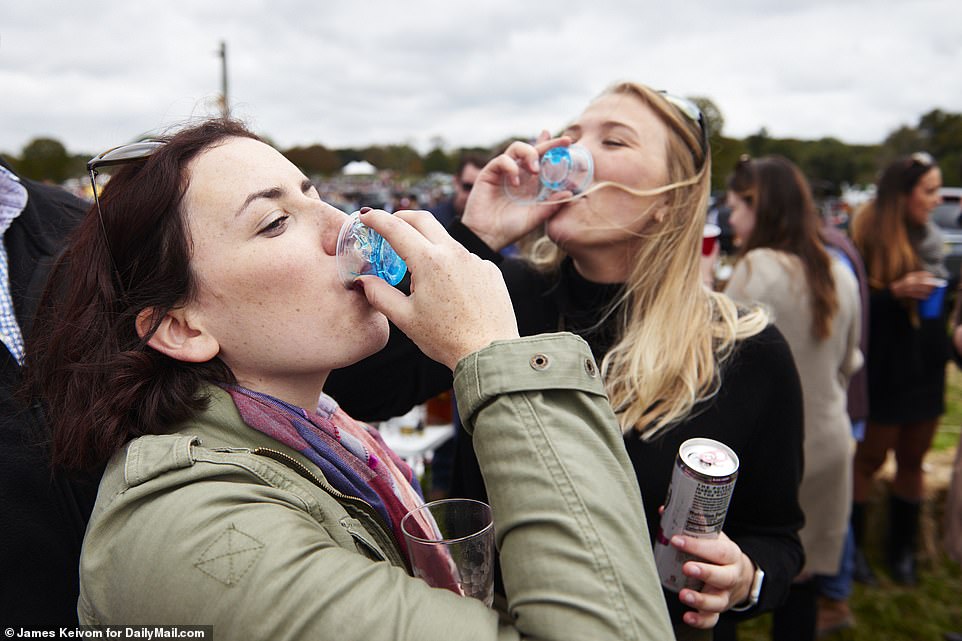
218,524
777,280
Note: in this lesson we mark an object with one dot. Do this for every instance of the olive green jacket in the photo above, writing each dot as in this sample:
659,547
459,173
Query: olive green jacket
218,524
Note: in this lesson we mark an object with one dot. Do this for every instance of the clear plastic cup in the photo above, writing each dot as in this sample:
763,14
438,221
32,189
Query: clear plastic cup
561,169
451,545
709,238
362,251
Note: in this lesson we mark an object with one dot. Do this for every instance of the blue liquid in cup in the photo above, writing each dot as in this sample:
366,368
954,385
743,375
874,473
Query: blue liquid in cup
362,251
561,169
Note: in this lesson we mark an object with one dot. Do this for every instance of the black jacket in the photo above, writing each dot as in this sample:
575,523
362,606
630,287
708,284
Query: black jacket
42,515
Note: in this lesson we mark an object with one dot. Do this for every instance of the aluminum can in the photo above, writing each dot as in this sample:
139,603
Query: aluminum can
701,487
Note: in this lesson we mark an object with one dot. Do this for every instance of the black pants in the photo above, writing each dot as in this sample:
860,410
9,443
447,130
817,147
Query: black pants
794,621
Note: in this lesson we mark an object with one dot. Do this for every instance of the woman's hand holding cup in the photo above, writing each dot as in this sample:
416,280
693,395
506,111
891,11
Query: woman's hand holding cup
458,302
490,213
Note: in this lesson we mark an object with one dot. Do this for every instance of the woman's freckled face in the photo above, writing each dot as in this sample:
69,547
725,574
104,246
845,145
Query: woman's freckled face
628,143
263,252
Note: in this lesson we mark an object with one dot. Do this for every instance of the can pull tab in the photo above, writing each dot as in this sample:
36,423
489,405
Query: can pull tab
712,458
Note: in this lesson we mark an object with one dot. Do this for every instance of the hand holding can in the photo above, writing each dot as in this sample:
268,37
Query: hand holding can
701,487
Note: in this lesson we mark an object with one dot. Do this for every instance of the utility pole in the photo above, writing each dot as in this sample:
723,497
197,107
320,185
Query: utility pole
224,104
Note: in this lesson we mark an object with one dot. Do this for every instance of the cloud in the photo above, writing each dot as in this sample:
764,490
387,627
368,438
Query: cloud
374,71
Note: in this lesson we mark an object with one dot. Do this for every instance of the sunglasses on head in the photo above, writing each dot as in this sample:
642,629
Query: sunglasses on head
691,111
922,158
112,157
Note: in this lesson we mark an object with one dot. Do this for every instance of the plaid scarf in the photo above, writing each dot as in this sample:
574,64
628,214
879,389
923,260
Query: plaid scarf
352,455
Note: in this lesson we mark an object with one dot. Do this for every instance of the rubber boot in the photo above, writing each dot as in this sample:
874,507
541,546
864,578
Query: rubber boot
903,535
862,572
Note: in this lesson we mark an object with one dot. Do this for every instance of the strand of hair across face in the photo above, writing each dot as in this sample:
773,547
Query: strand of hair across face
643,193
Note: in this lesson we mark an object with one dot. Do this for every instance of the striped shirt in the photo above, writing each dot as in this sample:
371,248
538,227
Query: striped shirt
13,198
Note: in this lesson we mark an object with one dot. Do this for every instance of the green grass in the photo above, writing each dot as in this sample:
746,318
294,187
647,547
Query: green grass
891,612
951,424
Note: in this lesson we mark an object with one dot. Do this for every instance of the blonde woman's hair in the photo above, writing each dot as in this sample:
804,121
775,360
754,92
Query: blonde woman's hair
673,334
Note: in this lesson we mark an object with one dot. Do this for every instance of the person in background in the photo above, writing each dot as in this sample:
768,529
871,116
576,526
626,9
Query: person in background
236,494
952,539
469,166
783,263
834,613
953,503
903,255
43,512
619,265
404,201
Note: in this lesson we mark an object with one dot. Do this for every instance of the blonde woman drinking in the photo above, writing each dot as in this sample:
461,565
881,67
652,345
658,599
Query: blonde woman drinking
619,265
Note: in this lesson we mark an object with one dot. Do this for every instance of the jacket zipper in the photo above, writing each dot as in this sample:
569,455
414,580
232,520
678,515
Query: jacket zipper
357,502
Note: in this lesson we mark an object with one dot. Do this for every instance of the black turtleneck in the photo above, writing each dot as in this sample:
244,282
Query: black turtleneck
757,412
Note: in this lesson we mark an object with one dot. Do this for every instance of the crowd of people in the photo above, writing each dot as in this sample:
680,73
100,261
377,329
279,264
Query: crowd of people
187,380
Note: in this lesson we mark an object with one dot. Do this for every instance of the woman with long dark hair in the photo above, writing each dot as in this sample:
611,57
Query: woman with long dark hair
782,263
903,254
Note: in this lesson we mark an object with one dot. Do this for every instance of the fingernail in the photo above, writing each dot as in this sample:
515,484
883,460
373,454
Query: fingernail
678,541
693,571
690,598
364,210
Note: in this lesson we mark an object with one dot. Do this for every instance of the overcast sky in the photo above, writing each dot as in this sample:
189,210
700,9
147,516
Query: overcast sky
357,72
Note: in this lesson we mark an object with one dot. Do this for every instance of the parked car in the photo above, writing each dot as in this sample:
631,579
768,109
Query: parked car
947,217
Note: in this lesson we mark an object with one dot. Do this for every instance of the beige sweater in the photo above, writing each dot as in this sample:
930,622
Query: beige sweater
777,280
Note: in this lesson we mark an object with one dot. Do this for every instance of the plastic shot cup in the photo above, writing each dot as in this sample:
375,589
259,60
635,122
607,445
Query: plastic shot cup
362,251
451,545
709,238
561,169
931,307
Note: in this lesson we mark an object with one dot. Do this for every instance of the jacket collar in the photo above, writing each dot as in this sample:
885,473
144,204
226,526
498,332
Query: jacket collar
220,426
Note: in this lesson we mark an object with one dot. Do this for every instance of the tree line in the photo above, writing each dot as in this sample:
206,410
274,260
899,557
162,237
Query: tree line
829,163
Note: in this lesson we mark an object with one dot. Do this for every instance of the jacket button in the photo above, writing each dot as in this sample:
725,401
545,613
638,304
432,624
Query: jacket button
590,368
540,361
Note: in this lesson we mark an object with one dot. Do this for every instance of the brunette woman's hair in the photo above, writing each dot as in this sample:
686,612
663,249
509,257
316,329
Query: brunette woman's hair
786,220
880,227
99,381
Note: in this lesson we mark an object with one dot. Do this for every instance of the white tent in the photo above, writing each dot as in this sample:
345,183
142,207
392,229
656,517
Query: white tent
359,168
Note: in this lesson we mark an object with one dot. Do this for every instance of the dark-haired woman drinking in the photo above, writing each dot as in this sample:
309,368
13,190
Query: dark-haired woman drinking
200,313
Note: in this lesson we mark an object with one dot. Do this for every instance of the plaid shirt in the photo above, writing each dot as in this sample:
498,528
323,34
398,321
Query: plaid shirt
13,198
